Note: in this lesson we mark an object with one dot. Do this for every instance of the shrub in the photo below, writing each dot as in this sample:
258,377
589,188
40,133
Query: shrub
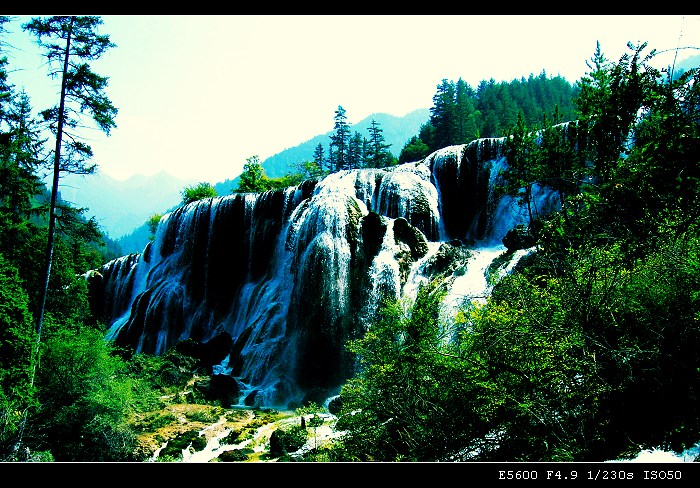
286,441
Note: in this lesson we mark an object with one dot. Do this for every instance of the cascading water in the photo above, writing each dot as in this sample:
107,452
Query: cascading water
292,275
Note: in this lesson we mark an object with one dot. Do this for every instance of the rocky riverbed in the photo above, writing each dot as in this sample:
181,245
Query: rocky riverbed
200,433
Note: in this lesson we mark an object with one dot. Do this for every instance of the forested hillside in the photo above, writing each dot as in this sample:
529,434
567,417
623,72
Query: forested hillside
588,351
395,130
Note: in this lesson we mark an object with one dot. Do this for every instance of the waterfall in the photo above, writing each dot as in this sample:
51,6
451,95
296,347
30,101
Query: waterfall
292,275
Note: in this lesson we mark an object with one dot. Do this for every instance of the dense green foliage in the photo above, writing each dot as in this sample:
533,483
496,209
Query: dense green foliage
16,340
67,397
190,194
588,351
152,223
461,114
286,440
407,402
253,178
414,150
87,395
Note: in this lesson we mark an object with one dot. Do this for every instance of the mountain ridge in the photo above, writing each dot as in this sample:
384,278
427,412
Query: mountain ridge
397,130
394,129
122,207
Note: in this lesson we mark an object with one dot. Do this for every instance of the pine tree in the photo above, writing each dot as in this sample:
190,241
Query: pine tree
595,105
319,157
488,105
521,173
443,115
560,166
340,140
366,153
379,155
355,151
20,159
466,113
5,87
68,42
16,328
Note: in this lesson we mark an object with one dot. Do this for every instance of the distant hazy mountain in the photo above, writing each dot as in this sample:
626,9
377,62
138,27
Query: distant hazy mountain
688,63
121,206
396,130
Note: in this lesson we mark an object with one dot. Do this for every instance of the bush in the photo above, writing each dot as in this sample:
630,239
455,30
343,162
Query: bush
17,338
175,446
155,420
205,416
286,441
198,192
87,398
233,456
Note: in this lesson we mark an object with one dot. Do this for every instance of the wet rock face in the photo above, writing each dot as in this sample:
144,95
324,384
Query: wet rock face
412,237
373,230
223,388
208,353
111,287
96,293
449,257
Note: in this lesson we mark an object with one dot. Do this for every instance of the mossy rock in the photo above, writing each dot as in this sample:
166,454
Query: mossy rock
414,238
205,416
175,446
232,436
286,441
199,443
335,405
233,456
153,421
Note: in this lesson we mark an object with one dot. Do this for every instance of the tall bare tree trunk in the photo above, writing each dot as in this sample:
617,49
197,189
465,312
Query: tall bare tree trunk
52,228
54,193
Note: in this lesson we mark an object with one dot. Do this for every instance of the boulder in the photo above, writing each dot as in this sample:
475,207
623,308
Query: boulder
519,237
223,388
208,353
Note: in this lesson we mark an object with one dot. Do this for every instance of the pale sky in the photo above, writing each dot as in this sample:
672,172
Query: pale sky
199,94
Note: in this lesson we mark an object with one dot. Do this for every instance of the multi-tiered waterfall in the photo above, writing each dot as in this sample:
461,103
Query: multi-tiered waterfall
287,277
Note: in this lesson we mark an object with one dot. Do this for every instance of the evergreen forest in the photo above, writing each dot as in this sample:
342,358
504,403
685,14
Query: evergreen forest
588,351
